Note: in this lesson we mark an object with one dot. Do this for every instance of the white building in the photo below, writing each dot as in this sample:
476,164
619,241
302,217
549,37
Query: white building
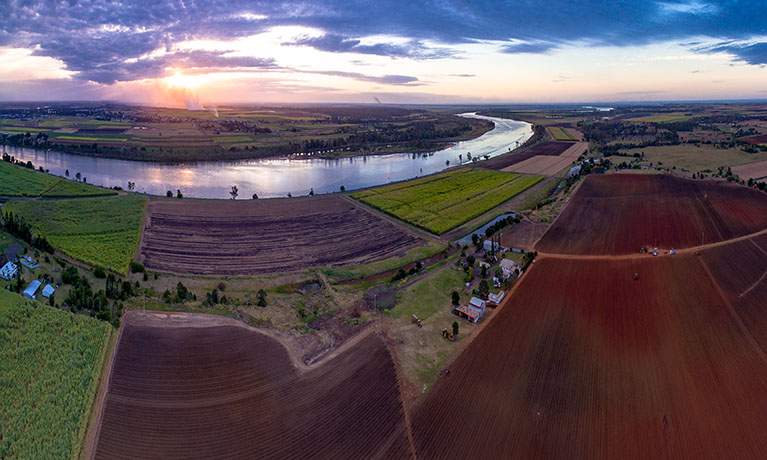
48,291
31,290
9,271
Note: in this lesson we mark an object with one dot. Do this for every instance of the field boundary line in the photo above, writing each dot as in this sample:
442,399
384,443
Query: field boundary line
88,448
405,412
761,278
421,233
741,325
551,225
144,223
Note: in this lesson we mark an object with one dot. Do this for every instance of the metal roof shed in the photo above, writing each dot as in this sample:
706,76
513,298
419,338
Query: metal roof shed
30,291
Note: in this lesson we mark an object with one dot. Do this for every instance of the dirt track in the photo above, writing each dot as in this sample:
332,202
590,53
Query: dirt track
207,237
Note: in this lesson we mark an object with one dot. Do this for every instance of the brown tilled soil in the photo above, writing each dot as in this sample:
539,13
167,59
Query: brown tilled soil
621,213
523,235
585,362
264,236
192,386
552,148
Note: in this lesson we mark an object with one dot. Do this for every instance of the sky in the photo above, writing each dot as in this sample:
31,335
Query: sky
197,53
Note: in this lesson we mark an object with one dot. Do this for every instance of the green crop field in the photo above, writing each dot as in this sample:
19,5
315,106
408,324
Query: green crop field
442,202
561,134
17,180
99,231
49,372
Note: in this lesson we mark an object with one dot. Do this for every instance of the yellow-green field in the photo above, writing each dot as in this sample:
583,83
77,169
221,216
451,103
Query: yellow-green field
442,202
662,118
17,180
99,231
49,372
561,134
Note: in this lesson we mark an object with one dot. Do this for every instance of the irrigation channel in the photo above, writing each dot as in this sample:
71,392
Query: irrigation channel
278,176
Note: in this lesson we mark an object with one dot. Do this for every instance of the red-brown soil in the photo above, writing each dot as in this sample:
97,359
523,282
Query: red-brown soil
213,388
756,140
740,268
585,362
213,237
621,213
554,148
523,235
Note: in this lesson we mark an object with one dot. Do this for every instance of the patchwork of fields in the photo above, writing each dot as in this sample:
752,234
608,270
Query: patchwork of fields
49,370
212,237
98,231
18,181
442,202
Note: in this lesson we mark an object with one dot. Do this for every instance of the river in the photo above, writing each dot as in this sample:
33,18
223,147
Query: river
279,176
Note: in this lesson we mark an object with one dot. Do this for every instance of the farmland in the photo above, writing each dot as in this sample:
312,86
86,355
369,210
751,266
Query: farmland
756,171
586,362
561,134
18,181
195,386
442,202
49,370
98,231
263,236
177,135
554,149
619,214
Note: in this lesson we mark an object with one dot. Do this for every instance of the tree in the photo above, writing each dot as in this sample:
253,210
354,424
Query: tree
261,296
455,298
66,173
343,189
179,194
255,196
484,288
181,291
235,191
77,176
455,327
131,185
499,273
311,191
99,272
169,194
483,271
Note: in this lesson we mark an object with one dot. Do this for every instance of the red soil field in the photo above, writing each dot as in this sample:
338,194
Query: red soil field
546,148
231,237
756,140
218,389
740,269
584,362
620,213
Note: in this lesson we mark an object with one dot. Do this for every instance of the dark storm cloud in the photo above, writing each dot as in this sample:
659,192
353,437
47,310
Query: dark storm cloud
96,37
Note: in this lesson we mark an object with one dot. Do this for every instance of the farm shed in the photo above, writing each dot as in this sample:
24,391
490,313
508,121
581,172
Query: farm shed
473,311
31,290
508,266
494,299
9,271
488,246
29,262
48,291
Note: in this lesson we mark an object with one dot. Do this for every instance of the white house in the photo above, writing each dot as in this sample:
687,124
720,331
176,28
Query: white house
9,271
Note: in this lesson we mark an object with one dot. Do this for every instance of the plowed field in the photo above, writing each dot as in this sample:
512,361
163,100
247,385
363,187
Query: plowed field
620,213
585,362
254,236
217,389
544,148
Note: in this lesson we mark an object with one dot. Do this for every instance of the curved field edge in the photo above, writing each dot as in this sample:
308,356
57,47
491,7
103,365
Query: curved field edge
97,231
19,181
445,201
50,366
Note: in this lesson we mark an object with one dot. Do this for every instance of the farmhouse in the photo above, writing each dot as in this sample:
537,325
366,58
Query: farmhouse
9,271
508,266
48,291
31,290
473,311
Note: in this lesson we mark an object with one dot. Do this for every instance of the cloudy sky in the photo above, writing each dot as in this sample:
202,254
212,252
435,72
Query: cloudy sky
430,51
